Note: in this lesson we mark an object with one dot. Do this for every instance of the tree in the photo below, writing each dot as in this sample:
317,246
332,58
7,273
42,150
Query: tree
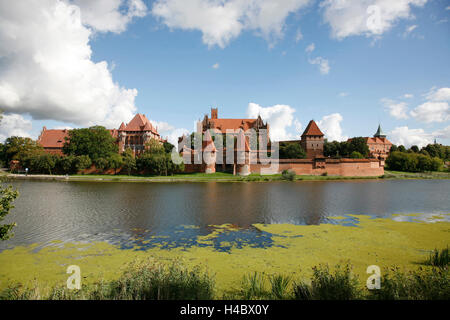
7,197
82,162
95,142
332,149
42,163
66,164
154,146
414,149
356,155
129,162
291,150
101,163
358,144
168,147
401,148
19,148
115,162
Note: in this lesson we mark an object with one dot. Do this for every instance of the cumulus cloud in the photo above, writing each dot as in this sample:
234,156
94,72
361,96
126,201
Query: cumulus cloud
169,131
109,15
442,94
436,109
330,125
409,137
324,66
396,109
370,18
221,21
14,125
280,118
46,69
432,111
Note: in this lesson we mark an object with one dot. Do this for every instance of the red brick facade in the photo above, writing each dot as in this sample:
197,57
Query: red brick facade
133,135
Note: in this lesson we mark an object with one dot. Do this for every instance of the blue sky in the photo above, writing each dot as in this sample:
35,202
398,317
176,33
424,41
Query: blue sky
182,62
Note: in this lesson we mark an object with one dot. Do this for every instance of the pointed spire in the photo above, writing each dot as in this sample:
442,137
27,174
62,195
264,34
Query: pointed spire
312,129
379,133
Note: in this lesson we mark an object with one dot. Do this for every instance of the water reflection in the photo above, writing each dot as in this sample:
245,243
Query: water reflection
144,214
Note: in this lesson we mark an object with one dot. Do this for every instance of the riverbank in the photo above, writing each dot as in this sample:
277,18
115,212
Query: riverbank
221,177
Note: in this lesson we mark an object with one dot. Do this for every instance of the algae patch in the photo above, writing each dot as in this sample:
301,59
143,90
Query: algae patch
275,248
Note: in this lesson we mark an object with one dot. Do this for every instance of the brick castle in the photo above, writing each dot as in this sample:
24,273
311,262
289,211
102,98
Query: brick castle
247,155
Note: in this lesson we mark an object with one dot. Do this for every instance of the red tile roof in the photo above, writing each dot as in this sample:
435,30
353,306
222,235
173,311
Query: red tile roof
139,123
53,138
312,129
232,124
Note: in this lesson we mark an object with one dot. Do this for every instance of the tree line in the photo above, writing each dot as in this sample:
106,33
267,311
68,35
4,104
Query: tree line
429,158
86,147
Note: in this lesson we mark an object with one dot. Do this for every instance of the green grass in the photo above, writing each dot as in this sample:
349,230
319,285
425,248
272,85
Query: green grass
416,175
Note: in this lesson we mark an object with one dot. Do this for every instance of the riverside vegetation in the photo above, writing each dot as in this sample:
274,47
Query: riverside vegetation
150,280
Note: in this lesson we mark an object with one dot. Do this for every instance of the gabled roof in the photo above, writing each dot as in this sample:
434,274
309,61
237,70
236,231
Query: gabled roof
233,124
53,138
312,130
139,123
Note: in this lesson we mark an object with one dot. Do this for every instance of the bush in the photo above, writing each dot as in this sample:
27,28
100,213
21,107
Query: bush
356,155
341,285
412,162
439,258
421,284
288,175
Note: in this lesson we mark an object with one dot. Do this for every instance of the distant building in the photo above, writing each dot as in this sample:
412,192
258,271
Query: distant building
133,135
312,141
53,140
379,145
136,134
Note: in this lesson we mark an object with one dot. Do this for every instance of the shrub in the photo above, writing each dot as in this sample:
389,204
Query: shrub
341,285
431,284
439,258
288,175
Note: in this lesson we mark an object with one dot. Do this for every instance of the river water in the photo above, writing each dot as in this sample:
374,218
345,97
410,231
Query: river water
176,213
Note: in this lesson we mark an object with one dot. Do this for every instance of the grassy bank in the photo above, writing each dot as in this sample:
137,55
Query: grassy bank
154,281
224,177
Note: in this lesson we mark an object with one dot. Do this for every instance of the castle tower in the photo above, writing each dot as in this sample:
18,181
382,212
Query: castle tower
379,133
312,141
214,113
242,155
209,153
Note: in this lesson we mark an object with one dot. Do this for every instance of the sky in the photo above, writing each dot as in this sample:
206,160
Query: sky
348,64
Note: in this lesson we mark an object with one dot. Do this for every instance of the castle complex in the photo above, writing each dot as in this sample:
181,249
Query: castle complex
250,150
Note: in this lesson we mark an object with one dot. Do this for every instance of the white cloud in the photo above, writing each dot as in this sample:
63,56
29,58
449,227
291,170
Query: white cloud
220,21
442,94
448,8
14,125
396,109
408,96
310,48
109,15
432,111
409,137
409,29
324,66
168,131
330,125
298,35
216,66
370,18
46,68
343,94
280,118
